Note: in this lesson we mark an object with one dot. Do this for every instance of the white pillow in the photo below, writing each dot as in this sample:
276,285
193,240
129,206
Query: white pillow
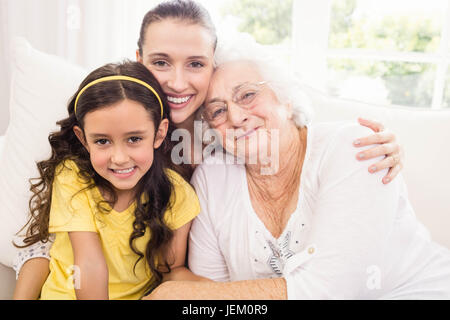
2,138
41,86
425,135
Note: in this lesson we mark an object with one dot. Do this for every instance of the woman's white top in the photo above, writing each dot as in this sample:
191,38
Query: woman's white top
350,237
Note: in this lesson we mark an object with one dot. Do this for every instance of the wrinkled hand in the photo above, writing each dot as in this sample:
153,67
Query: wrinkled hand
388,147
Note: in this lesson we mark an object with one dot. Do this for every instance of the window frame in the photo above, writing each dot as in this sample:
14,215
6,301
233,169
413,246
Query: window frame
311,27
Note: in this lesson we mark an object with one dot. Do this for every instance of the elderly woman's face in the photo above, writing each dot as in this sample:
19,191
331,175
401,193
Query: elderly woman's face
244,110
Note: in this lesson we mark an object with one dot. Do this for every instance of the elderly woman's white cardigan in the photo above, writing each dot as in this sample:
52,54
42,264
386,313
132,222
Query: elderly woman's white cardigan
350,236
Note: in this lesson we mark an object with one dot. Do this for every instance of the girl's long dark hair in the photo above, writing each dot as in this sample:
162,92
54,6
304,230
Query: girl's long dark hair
155,184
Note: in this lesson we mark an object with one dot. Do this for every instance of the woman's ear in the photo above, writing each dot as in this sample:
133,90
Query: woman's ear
161,133
138,57
80,135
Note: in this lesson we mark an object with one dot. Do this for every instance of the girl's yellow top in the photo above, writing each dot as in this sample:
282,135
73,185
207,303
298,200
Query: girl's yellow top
72,210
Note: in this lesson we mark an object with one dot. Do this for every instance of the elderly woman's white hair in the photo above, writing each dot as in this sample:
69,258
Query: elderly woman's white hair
236,46
273,68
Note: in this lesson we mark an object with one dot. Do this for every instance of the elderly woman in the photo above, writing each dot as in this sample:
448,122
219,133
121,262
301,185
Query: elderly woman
313,225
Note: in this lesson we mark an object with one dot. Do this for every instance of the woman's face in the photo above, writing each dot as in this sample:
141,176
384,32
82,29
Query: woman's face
180,55
245,110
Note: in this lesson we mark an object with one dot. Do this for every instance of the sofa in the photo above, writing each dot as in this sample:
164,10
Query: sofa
424,134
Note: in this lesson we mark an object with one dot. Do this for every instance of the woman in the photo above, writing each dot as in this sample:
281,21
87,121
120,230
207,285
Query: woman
318,227
183,64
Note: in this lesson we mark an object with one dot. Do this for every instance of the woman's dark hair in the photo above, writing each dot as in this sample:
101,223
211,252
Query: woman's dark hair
182,10
155,184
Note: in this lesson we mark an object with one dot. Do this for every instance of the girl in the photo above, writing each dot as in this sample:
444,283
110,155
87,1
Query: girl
119,212
183,64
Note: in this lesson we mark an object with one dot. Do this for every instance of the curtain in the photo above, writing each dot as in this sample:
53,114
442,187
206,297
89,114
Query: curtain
88,33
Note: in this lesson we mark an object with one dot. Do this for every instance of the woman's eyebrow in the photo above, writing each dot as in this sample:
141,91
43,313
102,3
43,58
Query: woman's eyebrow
158,54
198,57
214,100
234,90
165,55
237,87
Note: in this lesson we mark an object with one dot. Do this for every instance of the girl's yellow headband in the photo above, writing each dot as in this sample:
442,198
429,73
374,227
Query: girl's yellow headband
111,78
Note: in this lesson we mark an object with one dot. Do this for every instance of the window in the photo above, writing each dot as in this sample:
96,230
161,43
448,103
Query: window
378,51
270,22
400,47
382,51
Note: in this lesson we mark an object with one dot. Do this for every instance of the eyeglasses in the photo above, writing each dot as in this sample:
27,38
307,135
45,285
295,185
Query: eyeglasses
216,111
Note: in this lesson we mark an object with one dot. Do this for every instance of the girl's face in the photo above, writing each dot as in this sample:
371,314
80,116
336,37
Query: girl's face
180,55
120,140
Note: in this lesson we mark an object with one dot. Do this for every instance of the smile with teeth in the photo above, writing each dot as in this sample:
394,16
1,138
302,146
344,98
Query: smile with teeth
124,171
178,100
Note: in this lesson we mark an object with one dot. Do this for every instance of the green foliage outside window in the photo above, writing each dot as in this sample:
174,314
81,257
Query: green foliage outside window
407,83
270,22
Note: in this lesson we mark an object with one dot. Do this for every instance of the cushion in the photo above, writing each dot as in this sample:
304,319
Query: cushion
41,87
424,134
2,139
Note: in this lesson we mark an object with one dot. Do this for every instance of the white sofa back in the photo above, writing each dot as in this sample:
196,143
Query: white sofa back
425,135
2,138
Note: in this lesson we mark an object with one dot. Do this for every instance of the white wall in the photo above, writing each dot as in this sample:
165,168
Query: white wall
85,32
4,68
88,33
25,18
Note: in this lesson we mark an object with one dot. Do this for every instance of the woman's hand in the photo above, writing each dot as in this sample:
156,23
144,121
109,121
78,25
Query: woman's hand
388,147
